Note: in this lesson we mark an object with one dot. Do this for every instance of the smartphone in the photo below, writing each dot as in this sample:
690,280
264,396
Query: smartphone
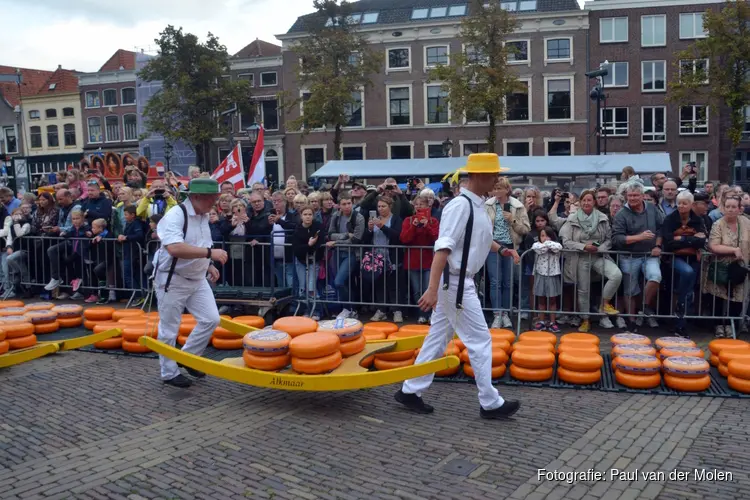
506,207
596,243
373,214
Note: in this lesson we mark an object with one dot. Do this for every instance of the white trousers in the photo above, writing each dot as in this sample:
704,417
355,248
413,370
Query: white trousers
471,328
198,298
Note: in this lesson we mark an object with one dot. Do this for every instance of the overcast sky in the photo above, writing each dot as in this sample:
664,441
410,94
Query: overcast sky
83,34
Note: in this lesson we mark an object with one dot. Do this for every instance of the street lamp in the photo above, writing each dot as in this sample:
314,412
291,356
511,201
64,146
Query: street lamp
597,94
252,133
168,149
447,148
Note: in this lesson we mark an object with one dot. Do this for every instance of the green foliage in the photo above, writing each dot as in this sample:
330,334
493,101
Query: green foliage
335,62
193,89
478,79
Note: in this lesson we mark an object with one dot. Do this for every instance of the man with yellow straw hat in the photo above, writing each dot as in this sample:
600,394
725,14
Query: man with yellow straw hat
461,250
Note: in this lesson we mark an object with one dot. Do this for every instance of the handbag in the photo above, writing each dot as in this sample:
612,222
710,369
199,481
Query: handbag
686,231
373,263
725,273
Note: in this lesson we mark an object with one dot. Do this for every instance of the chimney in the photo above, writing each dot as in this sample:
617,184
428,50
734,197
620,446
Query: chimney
260,51
59,66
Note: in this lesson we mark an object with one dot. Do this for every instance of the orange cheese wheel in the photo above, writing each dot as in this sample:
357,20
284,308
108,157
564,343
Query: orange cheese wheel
451,350
89,324
530,374
295,325
448,372
223,333
40,306
347,329
638,364
578,347
728,354
415,329
39,317
382,326
188,317
314,345
537,335
10,303
714,360
68,311
723,370
371,334
405,334
739,384
629,338
133,333
716,345
580,362
135,320
367,362
98,313
635,381
503,334
683,384
152,315
127,313
186,328
533,360
353,346
266,363
134,347
579,377
668,352
316,366
42,328
113,343
739,368
663,342
4,346
2,335
588,338
384,364
12,311
459,343
499,357
226,344
646,350
14,320
396,356
106,325
501,344
497,371
70,322
254,321
21,342
686,367
267,343
18,330
182,339
533,345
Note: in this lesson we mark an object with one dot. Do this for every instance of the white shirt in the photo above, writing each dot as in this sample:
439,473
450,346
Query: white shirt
170,232
453,228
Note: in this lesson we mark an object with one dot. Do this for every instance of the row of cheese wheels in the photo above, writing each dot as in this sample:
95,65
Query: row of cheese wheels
134,323
732,359
20,324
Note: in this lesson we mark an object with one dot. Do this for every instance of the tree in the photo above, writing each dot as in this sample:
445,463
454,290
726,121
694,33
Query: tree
193,92
725,83
335,66
478,79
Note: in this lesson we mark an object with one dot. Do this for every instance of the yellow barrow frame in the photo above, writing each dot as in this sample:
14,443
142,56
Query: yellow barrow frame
43,348
349,376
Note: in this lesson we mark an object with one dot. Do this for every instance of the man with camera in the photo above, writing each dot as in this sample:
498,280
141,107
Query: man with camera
158,200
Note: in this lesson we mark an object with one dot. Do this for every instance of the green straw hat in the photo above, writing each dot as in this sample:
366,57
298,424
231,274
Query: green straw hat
203,185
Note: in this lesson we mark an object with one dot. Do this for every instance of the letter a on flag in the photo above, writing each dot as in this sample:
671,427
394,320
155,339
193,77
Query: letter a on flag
231,169
257,172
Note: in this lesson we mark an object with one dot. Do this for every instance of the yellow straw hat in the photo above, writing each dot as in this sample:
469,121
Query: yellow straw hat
478,163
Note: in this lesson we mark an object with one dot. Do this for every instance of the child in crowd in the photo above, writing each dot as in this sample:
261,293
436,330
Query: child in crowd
131,238
237,220
17,226
547,277
102,257
78,249
307,245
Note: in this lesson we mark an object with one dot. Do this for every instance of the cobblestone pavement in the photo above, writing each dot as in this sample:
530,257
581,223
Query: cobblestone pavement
80,425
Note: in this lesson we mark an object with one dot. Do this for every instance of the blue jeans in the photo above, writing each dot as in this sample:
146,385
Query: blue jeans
286,276
347,265
633,267
418,280
307,279
685,276
500,271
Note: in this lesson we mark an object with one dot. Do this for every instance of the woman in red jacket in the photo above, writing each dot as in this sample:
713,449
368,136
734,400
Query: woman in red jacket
419,230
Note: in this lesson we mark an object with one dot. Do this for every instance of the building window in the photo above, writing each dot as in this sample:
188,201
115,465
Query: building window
369,17
438,11
653,31
436,56
399,59
615,121
109,97
517,104
68,112
518,5
559,102
399,105
50,113
746,133
694,120
654,76
701,162
92,99
437,105
476,57
558,49
353,111
691,25
613,29
127,96
435,150
654,123
95,129
11,141
518,148
618,75
476,147
457,10
249,77
400,151
518,51
315,157
353,153
34,114
112,126
130,127
36,137
53,139
420,13
477,116
69,132
560,147
697,67
270,110
268,79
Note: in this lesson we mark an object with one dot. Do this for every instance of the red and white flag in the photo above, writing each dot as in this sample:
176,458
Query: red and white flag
257,172
231,169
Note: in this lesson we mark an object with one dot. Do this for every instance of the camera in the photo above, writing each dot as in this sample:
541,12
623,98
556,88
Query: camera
411,185
389,187
159,193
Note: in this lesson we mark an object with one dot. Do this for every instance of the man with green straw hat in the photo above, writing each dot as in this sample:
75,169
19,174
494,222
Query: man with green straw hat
182,266
464,241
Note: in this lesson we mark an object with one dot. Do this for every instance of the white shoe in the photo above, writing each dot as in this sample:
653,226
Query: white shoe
53,283
652,323
524,316
506,322
719,332
379,316
76,296
344,314
606,323
639,319
497,322
621,323
398,317
422,320
563,320
574,321
353,314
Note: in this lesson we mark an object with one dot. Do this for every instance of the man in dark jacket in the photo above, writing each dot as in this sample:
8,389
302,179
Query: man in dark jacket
96,206
258,230
347,228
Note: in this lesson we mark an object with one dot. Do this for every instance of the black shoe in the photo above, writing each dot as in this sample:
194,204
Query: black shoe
413,402
510,407
180,381
192,372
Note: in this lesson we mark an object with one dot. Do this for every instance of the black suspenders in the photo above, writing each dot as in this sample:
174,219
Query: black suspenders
464,259
174,259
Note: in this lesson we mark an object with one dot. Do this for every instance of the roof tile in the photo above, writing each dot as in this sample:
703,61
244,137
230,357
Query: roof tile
258,48
121,59
32,82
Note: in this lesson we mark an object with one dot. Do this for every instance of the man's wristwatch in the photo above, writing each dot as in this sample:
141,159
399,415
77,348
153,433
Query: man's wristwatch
208,255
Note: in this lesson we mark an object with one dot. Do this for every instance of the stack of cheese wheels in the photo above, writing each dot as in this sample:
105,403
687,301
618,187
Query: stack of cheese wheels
187,323
533,356
132,332
638,371
349,332
94,315
397,359
4,345
266,350
579,361
620,349
225,340
499,362
717,345
503,334
44,321
378,330
295,325
112,342
315,353
19,332
739,373
687,373
728,354
69,315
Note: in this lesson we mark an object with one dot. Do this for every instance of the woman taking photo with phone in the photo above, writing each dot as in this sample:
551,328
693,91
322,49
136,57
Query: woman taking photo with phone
307,244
